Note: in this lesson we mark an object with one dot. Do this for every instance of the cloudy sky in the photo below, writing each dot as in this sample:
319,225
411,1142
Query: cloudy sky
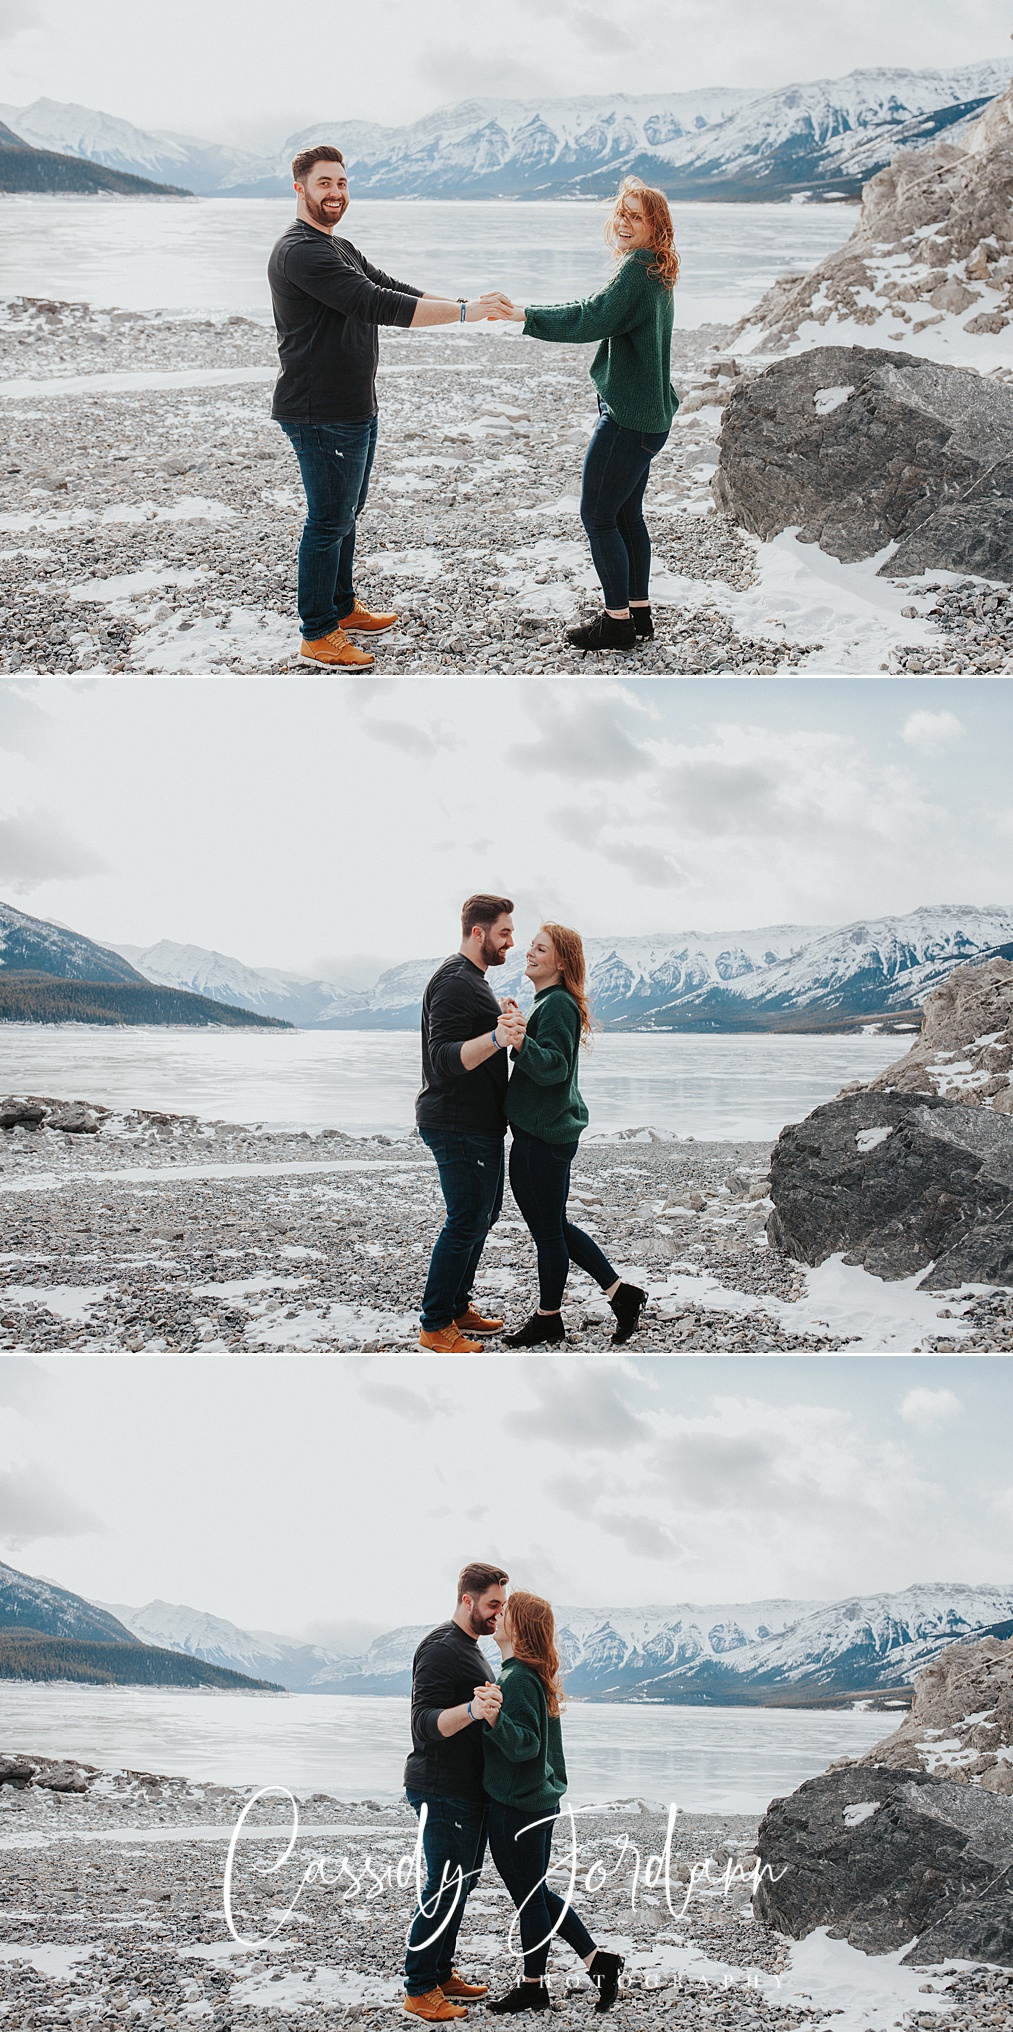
241,70
291,824
306,1493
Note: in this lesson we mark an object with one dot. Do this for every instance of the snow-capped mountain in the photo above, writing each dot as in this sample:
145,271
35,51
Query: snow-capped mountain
30,1604
174,1627
31,945
269,991
731,143
687,1652
200,166
672,981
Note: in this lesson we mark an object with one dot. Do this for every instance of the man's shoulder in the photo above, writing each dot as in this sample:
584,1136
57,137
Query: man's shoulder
444,1633
454,968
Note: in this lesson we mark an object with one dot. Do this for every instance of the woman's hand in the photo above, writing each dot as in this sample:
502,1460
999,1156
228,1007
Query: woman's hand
492,305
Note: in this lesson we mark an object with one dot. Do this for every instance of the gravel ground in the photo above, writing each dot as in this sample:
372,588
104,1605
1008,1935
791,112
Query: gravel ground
111,1913
163,1233
155,529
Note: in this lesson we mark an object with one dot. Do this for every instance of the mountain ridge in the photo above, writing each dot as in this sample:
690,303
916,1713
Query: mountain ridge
682,1653
819,137
769,976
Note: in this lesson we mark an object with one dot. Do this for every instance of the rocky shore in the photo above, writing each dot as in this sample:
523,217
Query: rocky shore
111,1912
152,510
162,1233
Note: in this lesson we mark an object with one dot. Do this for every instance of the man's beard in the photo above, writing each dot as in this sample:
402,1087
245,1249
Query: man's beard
492,954
322,217
481,1626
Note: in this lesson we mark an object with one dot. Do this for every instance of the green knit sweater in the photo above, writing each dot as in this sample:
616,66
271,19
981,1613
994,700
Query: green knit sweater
523,1752
543,1096
632,316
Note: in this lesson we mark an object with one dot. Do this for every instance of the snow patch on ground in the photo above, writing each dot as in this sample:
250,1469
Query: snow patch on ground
127,381
335,1326
849,1991
318,1988
71,1302
259,636
57,1962
943,338
841,1299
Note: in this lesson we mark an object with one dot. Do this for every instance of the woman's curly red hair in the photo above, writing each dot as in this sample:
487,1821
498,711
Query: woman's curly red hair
654,206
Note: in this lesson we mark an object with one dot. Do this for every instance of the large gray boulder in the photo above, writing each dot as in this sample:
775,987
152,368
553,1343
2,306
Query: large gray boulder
882,1858
859,449
898,1183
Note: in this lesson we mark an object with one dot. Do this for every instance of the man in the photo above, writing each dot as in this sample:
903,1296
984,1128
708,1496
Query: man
328,303
451,1692
466,1035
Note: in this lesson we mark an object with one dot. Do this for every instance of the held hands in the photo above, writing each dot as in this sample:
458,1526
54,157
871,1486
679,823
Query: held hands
486,1702
493,305
511,1030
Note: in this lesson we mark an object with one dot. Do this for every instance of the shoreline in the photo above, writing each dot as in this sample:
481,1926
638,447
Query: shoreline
152,528
113,1907
164,1233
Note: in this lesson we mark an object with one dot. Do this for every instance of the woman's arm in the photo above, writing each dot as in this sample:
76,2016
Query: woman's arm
518,1726
616,308
546,1058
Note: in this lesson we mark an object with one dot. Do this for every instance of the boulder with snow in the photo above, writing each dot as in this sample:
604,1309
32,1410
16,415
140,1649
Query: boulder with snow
860,449
932,253
960,1725
965,1049
898,1183
883,1858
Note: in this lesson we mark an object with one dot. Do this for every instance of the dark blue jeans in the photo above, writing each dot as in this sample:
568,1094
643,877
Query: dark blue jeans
471,1180
540,1183
335,460
616,471
453,1844
520,1852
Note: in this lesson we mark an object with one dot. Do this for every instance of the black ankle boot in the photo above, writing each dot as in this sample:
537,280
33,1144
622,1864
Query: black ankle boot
643,623
526,1997
541,1327
606,1969
604,632
627,1303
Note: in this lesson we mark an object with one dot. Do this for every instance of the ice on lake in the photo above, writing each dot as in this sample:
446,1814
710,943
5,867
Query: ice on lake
708,1760
739,1088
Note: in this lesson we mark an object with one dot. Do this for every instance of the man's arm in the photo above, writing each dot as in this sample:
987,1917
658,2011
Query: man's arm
450,307
432,1716
451,1016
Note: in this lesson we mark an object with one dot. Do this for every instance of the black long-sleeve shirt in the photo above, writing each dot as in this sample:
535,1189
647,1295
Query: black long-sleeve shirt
328,302
457,1005
446,1669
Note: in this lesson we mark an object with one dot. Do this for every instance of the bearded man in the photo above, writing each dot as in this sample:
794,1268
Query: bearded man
461,1115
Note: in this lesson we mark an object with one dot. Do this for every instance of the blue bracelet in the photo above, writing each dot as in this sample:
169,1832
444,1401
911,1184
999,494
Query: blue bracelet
495,1040
470,1715
464,307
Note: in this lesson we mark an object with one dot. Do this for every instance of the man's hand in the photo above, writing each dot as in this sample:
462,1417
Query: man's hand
510,1031
492,305
486,1702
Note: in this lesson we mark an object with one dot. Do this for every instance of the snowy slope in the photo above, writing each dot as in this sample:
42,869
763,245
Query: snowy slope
269,991
31,945
682,1652
30,1604
200,166
174,1627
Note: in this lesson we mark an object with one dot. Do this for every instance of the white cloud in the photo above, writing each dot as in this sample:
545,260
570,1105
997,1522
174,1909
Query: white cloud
33,1508
929,731
925,1409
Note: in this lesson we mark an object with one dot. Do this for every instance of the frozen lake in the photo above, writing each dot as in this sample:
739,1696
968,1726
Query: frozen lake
740,1088
709,1760
210,254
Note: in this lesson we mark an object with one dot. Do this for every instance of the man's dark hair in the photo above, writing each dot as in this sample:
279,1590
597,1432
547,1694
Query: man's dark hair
483,910
303,162
478,1578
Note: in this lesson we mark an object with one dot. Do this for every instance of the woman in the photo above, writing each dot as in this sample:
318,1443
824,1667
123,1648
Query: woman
632,317
546,1115
525,1777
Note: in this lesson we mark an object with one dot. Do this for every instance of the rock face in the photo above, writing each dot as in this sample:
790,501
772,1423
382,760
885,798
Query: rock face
965,1050
50,1773
961,1721
36,1111
934,241
898,1183
882,1857
859,449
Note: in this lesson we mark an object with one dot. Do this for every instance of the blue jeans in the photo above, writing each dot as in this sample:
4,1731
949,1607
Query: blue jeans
453,1844
471,1180
521,1852
616,470
540,1183
335,460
